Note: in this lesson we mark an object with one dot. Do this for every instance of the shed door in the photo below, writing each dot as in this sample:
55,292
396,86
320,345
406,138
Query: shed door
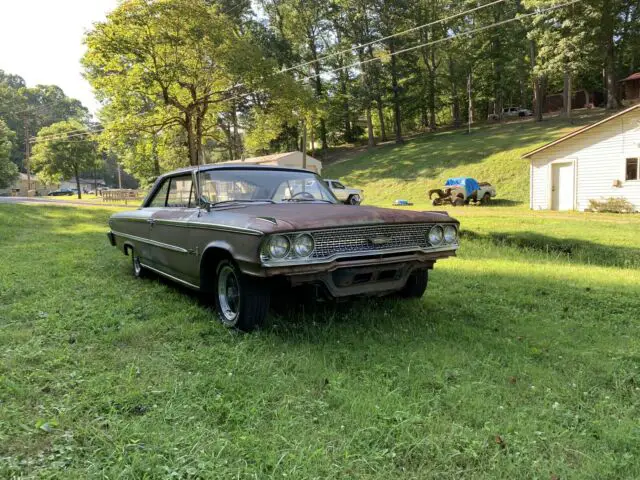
562,186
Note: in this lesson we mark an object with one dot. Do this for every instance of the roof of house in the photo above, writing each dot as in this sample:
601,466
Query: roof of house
580,131
269,158
633,76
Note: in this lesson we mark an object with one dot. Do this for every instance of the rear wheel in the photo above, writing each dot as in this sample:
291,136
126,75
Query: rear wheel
458,202
242,302
486,198
354,200
416,284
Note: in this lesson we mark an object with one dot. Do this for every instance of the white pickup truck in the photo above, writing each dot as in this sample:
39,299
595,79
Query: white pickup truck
350,196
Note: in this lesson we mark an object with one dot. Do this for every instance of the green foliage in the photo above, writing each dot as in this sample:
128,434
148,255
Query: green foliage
103,375
60,154
8,170
611,205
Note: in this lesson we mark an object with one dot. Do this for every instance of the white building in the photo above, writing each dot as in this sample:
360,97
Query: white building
596,162
289,159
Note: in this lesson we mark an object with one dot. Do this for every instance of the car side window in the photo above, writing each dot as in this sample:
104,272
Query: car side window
181,193
160,198
338,185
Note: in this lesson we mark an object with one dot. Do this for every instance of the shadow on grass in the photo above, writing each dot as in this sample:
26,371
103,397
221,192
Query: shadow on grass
582,251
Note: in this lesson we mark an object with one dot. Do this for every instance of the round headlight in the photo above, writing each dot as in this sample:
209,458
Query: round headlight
303,245
450,234
436,235
279,246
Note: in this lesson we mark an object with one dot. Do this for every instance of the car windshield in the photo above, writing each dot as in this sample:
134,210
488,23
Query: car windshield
262,185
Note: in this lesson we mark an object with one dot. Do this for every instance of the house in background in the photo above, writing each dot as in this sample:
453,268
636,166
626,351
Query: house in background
21,187
289,159
86,184
631,87
596,162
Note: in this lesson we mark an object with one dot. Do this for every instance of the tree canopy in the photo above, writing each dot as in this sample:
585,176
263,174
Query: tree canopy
8,169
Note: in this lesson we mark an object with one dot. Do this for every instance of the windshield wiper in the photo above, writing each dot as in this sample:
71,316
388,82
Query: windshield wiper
231,202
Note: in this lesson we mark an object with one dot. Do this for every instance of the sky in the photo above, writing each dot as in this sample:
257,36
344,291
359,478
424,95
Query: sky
41,40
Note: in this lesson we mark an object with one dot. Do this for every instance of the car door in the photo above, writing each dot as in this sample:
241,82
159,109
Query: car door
339,191
172,243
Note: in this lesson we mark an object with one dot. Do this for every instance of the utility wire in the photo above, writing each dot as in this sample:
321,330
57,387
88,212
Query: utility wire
398,52
334,54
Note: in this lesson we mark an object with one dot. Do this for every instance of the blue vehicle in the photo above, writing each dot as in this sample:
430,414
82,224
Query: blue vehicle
461,191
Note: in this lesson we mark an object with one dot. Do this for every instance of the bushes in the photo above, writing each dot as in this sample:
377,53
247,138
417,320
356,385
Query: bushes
611,205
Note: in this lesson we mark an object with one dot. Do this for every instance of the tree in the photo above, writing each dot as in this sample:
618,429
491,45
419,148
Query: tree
8,169
172,63
60,152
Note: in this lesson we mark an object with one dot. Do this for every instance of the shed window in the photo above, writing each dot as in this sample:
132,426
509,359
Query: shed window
633,172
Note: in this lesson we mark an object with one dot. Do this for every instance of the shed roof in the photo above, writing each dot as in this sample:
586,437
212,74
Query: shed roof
580,131
633,76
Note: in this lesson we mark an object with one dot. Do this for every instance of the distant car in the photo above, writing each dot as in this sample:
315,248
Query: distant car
61,193
461,191
350,196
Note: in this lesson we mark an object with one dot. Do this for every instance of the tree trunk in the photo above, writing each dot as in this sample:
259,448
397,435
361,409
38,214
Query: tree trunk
237,147
318,88
383,129
371,142
566,93
191,141
538,105
75,170
154,153
608,32
432,92
455,101
396,94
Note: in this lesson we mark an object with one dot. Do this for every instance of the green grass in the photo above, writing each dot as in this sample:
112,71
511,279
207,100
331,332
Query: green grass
520,362
489,153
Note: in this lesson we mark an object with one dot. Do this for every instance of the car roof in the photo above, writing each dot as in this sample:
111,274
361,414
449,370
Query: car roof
233,166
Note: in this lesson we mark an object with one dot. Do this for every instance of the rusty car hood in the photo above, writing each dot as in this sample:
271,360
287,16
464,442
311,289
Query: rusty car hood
314,216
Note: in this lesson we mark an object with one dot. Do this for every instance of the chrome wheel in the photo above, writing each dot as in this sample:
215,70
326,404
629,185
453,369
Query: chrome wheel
228,294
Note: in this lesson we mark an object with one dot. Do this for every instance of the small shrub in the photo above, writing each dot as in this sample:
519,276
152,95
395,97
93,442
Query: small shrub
611,205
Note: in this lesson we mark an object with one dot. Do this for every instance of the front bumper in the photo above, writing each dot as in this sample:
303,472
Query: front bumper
112,239
374,275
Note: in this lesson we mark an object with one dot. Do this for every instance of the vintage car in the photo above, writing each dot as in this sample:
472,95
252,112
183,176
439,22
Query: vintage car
462,191
235,232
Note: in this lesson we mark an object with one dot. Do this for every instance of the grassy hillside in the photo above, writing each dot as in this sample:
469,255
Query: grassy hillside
490,153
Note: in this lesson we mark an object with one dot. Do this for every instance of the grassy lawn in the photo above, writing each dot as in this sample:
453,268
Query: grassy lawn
491,153
520,362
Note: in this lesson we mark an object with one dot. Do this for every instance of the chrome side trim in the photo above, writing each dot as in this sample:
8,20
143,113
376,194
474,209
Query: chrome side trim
152,242
310,261
171,277
134,219
209,226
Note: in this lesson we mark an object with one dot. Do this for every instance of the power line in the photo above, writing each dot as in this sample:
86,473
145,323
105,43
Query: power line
394,35
444,39
398,52
404,32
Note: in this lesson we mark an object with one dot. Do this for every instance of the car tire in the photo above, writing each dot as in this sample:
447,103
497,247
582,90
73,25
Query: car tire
242,302
353,200
138,270
486,198
416,284
458,202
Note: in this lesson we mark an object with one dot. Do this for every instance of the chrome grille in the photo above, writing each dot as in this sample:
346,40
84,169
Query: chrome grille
373,238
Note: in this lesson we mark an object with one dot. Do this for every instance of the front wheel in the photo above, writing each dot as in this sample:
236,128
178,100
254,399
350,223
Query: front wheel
416,284
242,302
138,270
354,200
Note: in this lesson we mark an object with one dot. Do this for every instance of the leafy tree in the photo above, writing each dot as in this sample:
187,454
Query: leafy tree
172,63
8,170
60,153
